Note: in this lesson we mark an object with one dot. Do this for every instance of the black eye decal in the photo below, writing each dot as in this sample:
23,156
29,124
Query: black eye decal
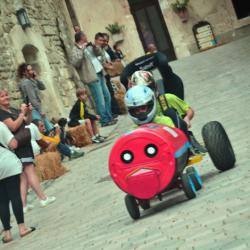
127,156
151,150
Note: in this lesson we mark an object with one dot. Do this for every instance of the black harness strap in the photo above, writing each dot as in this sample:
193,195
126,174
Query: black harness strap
172,113
163,103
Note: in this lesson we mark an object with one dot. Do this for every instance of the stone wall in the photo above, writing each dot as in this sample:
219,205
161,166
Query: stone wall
50,38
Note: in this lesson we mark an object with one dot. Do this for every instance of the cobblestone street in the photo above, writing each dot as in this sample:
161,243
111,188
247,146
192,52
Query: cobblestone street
90,212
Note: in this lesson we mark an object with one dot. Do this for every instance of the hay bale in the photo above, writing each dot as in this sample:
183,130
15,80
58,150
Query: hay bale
51,148
119,93
80,135
49,166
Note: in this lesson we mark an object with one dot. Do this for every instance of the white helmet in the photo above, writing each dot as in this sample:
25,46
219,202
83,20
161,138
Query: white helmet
141,103
145,78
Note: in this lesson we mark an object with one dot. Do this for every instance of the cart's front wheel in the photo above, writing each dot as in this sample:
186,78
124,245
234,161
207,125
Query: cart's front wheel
132,206
195,177
188,186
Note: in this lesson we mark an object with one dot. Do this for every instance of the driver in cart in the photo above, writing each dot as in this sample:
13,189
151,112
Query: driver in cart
145,105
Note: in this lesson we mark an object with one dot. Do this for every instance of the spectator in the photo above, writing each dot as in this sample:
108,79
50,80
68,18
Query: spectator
118,53
108,49
79,114
76,28
90,72
16,121
47,158
64,136
102,40
30,87
10,170
63,148
151,49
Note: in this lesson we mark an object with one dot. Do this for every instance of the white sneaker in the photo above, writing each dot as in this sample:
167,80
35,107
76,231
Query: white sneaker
47,201
95,139
27,208
74,148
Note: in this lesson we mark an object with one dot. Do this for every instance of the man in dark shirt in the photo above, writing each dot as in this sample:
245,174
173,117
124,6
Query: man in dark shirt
114,104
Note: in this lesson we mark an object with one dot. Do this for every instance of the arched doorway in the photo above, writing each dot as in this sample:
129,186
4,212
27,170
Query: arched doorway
31,54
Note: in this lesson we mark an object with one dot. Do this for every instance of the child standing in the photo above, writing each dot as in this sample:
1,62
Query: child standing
79,115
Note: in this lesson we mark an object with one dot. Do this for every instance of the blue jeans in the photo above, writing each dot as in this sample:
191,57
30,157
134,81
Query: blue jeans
37,116
64,149
101,98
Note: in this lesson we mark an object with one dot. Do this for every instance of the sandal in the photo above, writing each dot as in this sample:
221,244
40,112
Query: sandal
6,240
32,229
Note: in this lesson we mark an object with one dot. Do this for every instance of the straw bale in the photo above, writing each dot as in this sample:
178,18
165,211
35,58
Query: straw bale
49,166
80,135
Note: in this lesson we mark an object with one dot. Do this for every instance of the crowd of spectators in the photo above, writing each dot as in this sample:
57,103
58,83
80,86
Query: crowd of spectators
27,132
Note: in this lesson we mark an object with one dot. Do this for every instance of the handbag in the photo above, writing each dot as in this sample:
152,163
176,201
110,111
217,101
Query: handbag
23,136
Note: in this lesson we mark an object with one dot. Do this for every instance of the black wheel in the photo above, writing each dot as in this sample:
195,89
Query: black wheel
145,204
132,207
188,186
218,145
195,177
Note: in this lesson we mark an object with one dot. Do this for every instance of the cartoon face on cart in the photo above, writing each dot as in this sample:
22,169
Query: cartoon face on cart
143,162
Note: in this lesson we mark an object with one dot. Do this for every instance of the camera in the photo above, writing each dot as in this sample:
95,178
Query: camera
27,101
89,44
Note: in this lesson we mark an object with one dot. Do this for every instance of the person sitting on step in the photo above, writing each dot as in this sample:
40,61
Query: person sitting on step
54,138
79,114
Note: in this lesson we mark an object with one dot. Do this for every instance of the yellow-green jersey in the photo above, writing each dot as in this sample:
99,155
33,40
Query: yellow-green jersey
173,102
163,120
160,119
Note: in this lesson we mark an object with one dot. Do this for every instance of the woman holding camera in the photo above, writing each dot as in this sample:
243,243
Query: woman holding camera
30,87
16,122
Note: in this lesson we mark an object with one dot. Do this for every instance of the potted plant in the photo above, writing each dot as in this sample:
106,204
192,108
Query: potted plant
116,30
180,8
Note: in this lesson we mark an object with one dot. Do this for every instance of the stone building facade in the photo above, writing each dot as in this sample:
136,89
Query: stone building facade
220,14
47,43
44,45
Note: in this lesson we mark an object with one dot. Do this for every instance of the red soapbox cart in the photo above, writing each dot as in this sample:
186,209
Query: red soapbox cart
153,159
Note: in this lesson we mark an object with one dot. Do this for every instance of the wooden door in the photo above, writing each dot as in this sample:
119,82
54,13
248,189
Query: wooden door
151,26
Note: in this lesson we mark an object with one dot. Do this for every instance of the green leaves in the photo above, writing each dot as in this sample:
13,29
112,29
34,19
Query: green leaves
179,5
115,28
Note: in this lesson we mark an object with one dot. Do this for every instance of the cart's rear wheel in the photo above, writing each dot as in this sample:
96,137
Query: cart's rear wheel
218,145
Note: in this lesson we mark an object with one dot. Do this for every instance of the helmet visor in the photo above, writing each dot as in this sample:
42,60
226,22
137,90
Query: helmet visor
141,112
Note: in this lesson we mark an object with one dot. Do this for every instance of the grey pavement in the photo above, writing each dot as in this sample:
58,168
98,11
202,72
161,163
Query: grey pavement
90,213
